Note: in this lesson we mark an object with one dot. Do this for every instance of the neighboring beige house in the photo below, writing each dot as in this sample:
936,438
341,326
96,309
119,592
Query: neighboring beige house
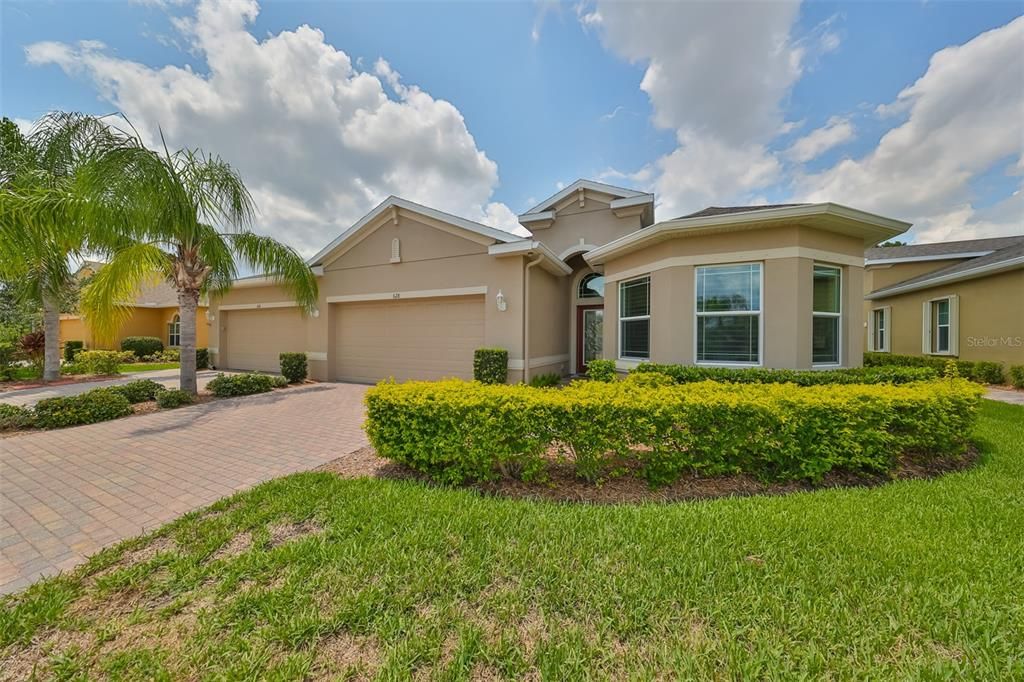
154,313
962,299
410,292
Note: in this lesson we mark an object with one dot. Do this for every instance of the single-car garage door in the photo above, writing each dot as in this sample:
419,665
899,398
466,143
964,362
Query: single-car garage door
427,338
255,338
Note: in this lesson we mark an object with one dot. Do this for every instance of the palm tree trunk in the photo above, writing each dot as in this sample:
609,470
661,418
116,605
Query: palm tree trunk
188,301
51,329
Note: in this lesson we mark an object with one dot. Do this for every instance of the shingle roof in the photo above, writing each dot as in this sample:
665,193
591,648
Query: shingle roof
1013,252
723,210
941,248
159,294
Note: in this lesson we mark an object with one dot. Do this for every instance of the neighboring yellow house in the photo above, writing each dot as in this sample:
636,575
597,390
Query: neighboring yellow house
155,314
960,299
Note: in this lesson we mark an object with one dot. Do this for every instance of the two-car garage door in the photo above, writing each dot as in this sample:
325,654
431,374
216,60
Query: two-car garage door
425,338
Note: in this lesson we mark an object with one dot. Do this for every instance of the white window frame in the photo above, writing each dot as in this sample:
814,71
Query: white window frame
839,316
954,326
730,313
174,329
885,313
622,319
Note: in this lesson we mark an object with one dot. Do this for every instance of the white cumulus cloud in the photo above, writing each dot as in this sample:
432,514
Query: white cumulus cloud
837,131
318,140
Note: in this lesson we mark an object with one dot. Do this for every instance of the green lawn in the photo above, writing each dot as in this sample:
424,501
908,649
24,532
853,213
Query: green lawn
913,580
146,367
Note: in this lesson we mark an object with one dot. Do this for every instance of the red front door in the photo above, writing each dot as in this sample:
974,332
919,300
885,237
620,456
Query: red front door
589,335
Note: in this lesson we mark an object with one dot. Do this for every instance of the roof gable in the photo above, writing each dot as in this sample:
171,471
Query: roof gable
969,248
393,204
1007,258
617,192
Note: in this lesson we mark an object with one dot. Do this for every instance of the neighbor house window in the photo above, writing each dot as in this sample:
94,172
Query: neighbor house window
174,331
825,328
635,319
591,286
880,330
729,314
940,326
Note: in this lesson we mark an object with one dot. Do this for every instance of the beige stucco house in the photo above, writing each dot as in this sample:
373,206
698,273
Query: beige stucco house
410,292
960,299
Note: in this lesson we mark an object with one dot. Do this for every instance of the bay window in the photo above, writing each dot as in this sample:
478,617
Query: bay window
635,319
728,314
826,326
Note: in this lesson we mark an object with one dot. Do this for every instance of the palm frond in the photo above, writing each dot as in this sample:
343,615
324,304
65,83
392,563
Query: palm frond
106,301
281,263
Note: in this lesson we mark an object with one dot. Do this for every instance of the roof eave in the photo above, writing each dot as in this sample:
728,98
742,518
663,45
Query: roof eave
530,247
973,273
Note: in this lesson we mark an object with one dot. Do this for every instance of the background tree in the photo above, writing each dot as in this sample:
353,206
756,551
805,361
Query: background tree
41,232
161,209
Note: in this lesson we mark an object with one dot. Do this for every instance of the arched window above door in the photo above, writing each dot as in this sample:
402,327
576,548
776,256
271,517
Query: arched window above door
591,286
174,331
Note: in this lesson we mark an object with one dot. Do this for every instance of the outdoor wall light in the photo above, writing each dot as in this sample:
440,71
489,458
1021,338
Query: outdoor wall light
500,300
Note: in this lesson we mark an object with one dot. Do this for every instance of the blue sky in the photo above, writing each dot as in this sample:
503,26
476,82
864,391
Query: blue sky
485,108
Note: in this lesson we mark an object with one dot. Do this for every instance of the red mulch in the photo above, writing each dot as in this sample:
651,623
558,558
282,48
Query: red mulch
564,486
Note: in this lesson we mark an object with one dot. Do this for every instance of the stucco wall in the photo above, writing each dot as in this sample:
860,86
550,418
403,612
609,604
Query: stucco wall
991,312
787,306
549,322
594,223
143,322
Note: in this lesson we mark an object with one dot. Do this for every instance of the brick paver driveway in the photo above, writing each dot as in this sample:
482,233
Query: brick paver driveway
66,494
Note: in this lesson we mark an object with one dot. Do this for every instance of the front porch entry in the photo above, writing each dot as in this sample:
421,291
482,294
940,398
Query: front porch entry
589,335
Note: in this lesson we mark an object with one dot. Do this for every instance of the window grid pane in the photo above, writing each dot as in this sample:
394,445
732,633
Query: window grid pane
634,318
728,338
827,289
728,310
825,340
729,288
591,286
636,338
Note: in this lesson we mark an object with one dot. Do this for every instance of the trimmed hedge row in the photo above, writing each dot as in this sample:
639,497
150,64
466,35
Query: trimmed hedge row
98,405
230,385
1017,376
293,367
685,374
142,346
980,371
458,431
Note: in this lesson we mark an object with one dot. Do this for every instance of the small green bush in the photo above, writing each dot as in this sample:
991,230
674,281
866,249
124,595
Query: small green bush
293,367
280,382
685,374
202,358
1017,376
545,380
490,365
984,372
8,353
72,368
601,370
104,362
174,397
139,391
226,386
15,417
85,408
72,348
142,346
456,431
988,372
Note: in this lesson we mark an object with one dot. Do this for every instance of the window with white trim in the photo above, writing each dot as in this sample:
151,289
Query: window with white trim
880,330
728,314
174,331
591,286
941,325
827,296
635,319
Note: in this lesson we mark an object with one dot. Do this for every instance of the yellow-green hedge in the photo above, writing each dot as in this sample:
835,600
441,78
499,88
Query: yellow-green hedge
456,431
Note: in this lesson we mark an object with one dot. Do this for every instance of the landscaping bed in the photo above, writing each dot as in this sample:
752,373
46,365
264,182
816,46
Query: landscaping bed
313,576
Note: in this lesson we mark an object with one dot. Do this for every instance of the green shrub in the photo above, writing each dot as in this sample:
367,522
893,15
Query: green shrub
32,348
988,372
545,380
142,346
202,358
104,362
226,386
279,382
456,431
72,348
139,391
174,397
981,371
15,417
293,367
7,356
685,374
490,365
86,408
601,370
1017,376
72,368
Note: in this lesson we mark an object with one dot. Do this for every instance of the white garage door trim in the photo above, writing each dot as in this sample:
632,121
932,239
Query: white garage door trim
417,293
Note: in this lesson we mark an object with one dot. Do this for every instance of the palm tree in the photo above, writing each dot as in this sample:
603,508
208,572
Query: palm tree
184,217
40,234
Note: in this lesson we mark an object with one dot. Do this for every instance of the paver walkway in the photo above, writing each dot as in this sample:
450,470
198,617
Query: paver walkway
1005,395
66,494
167,377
